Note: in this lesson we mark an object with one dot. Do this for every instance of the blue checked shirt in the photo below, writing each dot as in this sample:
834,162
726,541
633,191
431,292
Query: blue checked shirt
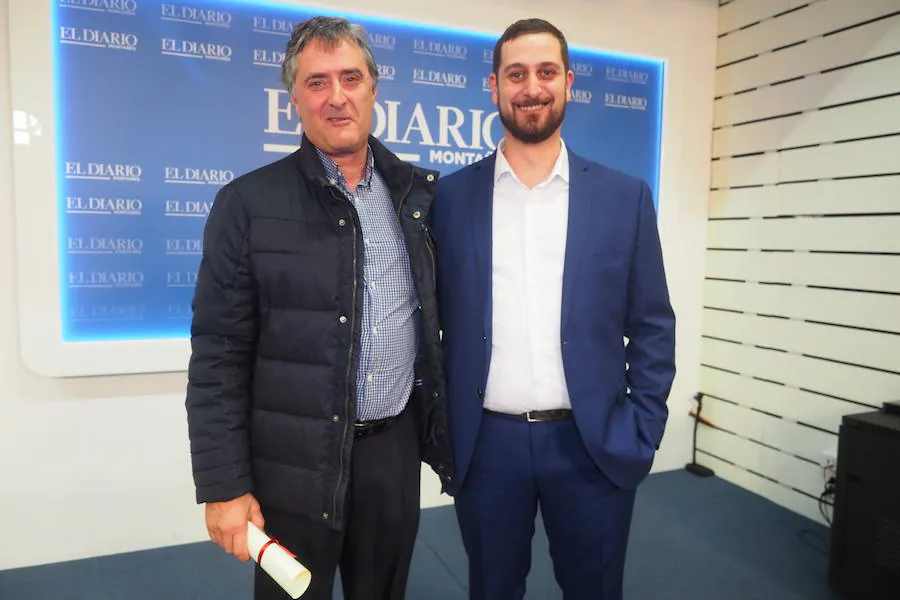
385,370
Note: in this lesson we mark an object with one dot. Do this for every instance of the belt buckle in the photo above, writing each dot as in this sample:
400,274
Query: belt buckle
529,418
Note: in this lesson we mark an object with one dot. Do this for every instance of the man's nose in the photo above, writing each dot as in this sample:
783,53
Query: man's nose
336,95
533,85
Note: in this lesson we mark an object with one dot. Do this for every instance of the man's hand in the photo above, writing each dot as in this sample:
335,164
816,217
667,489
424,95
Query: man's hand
226,523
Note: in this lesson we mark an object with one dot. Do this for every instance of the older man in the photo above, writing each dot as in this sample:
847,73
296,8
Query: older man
315,385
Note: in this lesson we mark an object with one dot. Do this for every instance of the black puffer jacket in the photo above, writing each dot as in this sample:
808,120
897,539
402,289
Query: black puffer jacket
276,334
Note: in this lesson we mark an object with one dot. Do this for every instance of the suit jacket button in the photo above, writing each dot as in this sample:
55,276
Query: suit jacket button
480,393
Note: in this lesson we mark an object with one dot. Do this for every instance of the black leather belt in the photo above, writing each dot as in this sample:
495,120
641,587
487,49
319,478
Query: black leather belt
363,429
538,416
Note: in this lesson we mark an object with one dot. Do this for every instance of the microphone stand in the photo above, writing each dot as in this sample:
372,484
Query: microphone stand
692,467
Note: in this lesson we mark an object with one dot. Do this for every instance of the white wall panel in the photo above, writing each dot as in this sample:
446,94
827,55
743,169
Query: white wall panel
741,13
857,271
873,311
818,54
841,234
845,196
746,170
854,121
787,436
868,80
845,381
868,157
851,159
812,21
777,493
791,403
781,467
861,347
806,153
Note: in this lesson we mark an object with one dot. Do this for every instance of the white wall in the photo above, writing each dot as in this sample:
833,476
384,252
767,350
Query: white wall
97,466
806,131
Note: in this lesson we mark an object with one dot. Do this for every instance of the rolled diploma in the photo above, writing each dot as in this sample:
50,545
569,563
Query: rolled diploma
280,565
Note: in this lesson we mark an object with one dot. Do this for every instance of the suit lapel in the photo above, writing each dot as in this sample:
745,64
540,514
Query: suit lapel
579,227
481,211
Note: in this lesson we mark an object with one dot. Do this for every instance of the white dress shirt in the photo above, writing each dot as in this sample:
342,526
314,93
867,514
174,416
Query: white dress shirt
529,247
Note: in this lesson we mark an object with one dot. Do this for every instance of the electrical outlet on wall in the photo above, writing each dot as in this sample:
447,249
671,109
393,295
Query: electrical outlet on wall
828,459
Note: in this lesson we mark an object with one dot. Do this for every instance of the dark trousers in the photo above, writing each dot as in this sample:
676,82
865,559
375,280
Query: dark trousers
375,548
518,465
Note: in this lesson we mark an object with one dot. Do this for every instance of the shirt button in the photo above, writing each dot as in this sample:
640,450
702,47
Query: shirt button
374,285
374,330
429,177
343,319
332,181
416,214
342,222
335,418
325,516
369,377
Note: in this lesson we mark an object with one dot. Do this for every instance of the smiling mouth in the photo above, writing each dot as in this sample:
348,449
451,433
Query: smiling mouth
532,107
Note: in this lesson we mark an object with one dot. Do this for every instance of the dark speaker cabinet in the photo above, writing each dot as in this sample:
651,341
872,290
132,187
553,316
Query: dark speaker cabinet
864,561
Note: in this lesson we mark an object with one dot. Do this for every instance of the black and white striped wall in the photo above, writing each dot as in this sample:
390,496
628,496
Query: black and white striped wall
801,319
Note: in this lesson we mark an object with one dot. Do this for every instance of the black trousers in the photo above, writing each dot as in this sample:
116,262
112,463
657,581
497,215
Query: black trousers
375,548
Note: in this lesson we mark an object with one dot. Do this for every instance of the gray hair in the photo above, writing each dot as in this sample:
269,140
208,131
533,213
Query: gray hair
330,31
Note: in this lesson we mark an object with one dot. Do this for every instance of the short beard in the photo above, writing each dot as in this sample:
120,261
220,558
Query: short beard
532,135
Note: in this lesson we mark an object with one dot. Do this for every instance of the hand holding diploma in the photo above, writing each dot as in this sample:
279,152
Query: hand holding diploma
237,526
278,562
226,523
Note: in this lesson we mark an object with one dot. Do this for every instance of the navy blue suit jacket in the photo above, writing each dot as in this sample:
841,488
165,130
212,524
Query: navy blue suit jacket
614,287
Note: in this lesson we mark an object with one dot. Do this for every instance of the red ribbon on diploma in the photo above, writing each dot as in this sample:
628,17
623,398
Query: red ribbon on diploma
269,543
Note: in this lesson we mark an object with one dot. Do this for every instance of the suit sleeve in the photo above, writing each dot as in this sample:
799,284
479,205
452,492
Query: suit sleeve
649,327
223,339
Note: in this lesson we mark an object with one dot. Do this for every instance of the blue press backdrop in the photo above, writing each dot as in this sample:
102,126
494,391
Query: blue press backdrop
160,104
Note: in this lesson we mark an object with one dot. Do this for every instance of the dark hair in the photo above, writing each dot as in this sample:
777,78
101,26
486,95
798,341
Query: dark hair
330,31
526,27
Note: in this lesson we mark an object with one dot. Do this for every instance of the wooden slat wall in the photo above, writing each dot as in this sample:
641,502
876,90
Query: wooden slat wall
802,298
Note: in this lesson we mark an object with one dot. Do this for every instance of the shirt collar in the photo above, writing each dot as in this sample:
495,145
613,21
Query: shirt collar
560,168
333,171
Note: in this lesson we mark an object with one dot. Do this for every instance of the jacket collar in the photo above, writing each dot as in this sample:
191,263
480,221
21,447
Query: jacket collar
397,174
